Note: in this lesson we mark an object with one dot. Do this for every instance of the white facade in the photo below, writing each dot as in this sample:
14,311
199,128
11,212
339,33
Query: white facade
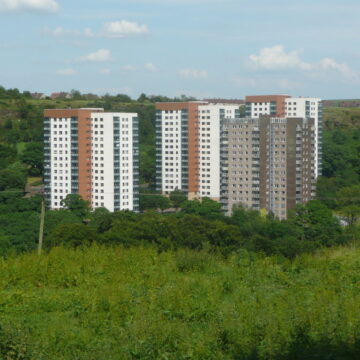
259,108
113,159
210,117
60,140
173,157
307,108
110,144
171,150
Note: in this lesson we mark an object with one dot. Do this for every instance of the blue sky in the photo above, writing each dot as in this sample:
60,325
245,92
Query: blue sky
204,48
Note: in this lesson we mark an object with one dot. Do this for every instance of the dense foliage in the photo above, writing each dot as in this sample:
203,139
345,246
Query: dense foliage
115,303
338,189
186,283
197,225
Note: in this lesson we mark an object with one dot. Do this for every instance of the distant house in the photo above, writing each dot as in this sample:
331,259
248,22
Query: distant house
55,95
60,95
38,95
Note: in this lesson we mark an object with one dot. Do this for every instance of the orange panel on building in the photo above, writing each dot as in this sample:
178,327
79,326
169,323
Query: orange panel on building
83,117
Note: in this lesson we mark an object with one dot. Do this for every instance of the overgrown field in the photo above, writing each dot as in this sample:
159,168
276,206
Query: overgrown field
114,303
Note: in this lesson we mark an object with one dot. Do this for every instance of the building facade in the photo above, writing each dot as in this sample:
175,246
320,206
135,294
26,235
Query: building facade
290,107
272,105
268,163
309,108
188,147
93,154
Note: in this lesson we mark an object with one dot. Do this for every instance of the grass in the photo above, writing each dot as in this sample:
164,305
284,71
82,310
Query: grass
20,146
34,181
115,303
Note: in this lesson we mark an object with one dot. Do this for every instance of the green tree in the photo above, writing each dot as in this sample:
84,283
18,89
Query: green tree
348,199
316,223
206,208
177,198
76,204
150,201
72,235
13,177
7,155
33,156
8,124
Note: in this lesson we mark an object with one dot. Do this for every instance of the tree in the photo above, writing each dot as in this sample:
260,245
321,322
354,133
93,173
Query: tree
8,124
13,177
207,208
178,197
147,161
348,200
76,95
7,155
72,235
33,155
142,98
150,201
316,223
76,204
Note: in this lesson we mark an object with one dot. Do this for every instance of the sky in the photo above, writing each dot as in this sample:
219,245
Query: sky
201,48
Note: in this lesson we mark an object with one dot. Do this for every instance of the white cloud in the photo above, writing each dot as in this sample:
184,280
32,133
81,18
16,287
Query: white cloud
97,56
105,71
193,74
151,67
47,6
88,32
331,64
66,72
120,29
276,58
128,68
59,31
115,29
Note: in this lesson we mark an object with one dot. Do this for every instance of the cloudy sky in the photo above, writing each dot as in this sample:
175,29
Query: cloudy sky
204,48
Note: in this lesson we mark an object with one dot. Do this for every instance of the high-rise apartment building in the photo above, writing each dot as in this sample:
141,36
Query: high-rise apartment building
268,163
188,146
308,108
268,160
272,105
290,107
93,154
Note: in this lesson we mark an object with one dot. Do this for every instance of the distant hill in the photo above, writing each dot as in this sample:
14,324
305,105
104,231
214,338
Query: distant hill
346,118
342,103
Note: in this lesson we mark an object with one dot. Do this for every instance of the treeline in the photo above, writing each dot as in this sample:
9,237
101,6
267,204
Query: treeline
197,226
341,167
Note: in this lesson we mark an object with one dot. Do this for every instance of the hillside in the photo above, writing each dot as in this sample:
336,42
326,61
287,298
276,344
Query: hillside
341,117
115,303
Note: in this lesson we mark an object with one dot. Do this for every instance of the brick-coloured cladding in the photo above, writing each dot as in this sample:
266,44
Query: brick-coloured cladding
83,117
279,99
193,138
307,152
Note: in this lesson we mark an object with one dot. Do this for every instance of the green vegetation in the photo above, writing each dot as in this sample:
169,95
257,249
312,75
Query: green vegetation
340,117
197,225
193,284
115,303
341,165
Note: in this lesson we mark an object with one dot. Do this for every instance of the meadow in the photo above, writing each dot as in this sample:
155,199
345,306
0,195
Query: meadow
136,303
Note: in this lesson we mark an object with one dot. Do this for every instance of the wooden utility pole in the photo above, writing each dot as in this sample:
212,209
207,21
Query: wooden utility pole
41,230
